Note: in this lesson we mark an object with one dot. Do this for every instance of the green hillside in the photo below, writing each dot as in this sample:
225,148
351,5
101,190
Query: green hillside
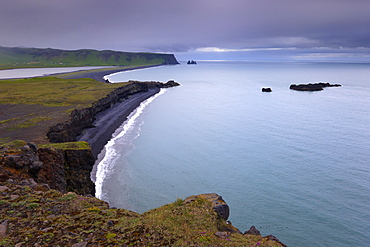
15,57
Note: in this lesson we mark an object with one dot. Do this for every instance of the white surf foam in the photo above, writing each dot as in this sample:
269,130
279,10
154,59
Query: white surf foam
104,164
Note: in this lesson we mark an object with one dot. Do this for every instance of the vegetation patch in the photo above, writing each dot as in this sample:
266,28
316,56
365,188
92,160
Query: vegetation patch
16,57
48,218
32,105
8,120
15,144
29,123
52,91
67,145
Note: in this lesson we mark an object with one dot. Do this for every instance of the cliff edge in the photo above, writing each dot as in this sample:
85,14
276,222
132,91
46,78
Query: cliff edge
64,167
34,215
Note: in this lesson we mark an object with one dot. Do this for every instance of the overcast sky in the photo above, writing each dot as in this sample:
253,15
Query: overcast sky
194,29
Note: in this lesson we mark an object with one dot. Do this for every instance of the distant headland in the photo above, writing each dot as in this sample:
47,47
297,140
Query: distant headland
19,57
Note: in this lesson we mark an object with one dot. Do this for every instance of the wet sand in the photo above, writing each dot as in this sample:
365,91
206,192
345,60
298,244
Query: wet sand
109,120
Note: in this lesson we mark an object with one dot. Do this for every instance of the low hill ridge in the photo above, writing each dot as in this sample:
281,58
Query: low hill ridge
18,57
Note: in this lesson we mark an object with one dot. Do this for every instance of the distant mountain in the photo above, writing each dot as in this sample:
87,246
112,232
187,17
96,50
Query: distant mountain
16,57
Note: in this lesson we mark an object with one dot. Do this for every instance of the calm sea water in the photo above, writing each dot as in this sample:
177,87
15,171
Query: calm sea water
294,164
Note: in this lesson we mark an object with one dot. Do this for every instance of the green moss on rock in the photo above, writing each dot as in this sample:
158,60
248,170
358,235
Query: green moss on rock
50,218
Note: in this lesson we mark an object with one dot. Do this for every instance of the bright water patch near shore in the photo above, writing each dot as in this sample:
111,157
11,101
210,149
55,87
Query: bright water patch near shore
294,164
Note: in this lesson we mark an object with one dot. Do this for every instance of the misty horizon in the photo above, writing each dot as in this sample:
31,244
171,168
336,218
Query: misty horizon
227,30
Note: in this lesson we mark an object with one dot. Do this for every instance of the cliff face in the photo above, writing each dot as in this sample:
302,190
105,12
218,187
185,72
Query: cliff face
32,215
83,118
170,59
62,169
66,168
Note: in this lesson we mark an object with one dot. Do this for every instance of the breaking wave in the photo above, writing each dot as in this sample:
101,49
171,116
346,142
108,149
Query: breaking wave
105,162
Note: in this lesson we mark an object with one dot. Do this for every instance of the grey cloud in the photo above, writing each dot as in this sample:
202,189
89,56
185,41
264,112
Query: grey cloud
171,26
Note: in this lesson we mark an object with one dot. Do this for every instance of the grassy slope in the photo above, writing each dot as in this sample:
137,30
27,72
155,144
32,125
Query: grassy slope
51,91
49,218
33,57
28,107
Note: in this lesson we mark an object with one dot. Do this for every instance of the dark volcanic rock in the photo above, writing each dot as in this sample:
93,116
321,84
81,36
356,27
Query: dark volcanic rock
223,235
273,238
63,170
253,231
67,170
168,84
3,228
312,86
53,172
3,177
83,118
78,166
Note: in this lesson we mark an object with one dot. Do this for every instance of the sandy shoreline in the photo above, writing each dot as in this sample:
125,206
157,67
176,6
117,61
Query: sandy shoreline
109,120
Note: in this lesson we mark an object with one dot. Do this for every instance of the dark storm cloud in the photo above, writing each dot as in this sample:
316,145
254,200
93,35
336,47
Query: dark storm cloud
173,26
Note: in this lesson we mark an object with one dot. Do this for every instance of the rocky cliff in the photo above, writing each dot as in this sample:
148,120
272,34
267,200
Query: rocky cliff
64,168
83,118
34,215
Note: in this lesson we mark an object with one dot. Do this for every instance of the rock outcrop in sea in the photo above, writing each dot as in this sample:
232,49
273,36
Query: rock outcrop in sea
312,86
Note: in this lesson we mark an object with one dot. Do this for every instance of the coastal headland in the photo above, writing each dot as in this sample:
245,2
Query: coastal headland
42,185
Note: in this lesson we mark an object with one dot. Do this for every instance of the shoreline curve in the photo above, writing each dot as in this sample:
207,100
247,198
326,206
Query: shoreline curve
108,121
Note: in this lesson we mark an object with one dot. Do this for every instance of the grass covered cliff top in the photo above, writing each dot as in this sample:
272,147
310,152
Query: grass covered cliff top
28,107
52,91
32,213
19,57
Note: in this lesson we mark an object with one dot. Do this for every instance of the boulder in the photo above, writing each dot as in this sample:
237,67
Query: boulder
266,89
253,231
223,235
3,177
3,228
218,204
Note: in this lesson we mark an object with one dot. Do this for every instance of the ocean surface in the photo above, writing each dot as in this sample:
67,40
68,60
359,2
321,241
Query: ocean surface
294,164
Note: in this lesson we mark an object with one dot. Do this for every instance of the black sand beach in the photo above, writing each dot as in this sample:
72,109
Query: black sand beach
109,120
106,122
